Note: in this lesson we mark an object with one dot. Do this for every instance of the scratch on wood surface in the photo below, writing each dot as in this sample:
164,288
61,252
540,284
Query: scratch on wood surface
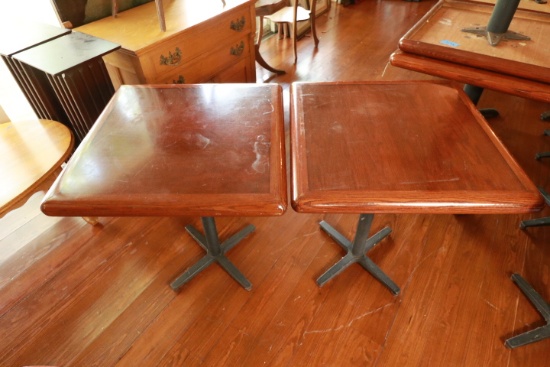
343,326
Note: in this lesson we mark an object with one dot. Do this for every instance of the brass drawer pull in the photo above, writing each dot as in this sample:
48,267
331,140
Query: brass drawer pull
238,25
172,59
237,50
180,80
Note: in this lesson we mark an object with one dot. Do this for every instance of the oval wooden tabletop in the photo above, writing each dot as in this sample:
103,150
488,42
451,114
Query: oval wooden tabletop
30,151
399,147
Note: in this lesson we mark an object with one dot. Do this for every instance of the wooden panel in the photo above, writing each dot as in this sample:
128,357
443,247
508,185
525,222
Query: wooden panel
180,15
84,92
375,147
196,35
36,89
234,74
205,150
75,70
482,78
438,35
198,41
209,65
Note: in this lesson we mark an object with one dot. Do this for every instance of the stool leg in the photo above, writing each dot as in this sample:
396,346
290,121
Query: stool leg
542,307
215,252
356,251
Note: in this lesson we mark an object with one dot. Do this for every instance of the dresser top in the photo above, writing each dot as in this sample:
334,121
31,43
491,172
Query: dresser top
138,28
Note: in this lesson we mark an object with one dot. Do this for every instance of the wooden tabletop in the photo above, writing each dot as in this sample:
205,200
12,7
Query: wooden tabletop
399,147
63,53
439,35
199,150
520,87
31,151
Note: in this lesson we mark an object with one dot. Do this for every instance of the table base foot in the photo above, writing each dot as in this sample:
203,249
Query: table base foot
539,222
542,307
539,156
489,113
215,252
356,252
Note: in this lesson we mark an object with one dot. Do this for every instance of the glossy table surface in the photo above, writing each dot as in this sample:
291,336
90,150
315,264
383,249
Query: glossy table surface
439,35
520,87
204,150
400,147
31,151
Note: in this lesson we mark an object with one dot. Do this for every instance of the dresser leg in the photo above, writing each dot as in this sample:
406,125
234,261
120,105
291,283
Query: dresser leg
215,252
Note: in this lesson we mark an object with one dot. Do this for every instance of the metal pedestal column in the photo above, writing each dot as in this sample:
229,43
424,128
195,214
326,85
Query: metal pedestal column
215,252
356,251
495,31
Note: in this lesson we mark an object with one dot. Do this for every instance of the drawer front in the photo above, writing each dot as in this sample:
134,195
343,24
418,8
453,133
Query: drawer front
237,73
205,68
196,41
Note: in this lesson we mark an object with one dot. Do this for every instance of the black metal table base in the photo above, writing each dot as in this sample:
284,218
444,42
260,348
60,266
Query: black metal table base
538,222
215,252
542,307
497,28
542,155
357,250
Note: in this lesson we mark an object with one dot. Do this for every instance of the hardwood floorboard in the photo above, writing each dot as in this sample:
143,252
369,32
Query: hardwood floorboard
72,294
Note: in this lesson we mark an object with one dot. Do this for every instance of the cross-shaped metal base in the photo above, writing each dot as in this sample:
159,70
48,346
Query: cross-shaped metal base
215,252
541,305
497,27
494,38
538,222
357,250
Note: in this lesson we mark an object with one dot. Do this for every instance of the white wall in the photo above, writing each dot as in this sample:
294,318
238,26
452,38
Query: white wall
12,99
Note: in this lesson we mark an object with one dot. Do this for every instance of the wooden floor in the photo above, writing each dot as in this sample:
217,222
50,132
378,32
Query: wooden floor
76,295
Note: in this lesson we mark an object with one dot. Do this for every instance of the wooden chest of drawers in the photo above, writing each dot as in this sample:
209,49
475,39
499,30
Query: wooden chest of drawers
205,41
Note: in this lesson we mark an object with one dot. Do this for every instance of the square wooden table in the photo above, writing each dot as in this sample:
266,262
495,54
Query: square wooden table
441,35
401,147
181,150
437,45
